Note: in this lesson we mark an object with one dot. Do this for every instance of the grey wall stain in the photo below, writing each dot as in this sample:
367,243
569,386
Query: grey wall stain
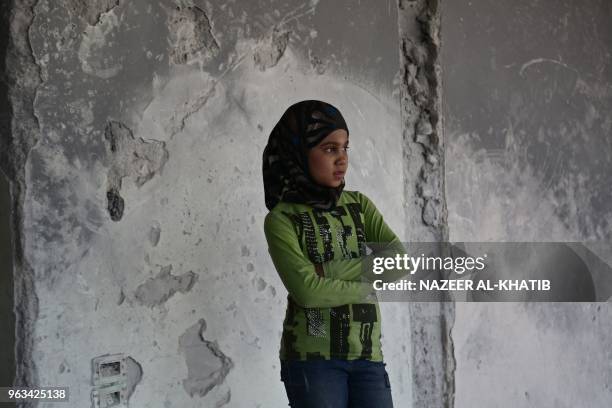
533,89
154,233
528,98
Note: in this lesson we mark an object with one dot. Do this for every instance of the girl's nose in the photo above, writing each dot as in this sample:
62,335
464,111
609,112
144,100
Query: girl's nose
342,159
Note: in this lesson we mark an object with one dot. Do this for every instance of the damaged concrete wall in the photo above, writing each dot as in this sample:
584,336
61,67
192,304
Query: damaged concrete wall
7,317
432,351
135,165
528,102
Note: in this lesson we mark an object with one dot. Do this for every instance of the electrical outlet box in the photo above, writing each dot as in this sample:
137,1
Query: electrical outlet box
109,396
110,381
109,369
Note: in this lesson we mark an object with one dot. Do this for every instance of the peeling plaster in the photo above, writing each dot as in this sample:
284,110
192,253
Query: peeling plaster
130,157
92,52
207,365
91,11
421,107
432,353
22,134
191,36
158,290
317,64
271,48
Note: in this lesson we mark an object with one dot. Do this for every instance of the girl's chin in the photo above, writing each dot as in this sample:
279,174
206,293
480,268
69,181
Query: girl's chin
333,183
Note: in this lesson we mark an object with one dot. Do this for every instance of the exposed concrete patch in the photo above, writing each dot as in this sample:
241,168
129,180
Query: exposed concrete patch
420,45
191,37
432,352
93,50
316,63
130,157
159,289
207,365
271,48
89,10
20,131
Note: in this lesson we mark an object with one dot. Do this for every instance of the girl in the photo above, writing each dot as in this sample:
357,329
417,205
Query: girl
330,351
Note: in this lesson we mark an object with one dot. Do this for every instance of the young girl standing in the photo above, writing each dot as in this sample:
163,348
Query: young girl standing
330,351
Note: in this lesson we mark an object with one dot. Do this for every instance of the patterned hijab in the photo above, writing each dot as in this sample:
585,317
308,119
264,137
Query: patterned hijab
285,159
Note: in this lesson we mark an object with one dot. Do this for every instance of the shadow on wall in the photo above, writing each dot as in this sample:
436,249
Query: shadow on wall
501,197
7,318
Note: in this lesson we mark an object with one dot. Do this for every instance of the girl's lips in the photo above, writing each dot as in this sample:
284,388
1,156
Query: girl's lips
339,174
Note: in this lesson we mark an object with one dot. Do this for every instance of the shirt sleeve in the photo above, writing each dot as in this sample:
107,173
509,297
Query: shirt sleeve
376,230
298,274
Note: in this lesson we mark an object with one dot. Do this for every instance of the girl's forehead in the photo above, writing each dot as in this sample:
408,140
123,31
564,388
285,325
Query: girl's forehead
337,136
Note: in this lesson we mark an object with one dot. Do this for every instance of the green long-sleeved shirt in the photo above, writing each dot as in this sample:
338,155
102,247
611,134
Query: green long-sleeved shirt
334,316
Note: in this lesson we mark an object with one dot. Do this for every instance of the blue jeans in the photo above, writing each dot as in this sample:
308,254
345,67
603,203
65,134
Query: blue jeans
336,384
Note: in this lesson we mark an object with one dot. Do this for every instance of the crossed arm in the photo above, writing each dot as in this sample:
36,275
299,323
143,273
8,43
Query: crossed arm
333,283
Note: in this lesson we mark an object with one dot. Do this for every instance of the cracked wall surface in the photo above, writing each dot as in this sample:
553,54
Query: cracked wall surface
432,348
138,191
528,98
20,133
132,132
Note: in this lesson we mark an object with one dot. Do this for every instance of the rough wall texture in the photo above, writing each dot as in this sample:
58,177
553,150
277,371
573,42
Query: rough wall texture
7,317
432,346
135,159
528,102
20,132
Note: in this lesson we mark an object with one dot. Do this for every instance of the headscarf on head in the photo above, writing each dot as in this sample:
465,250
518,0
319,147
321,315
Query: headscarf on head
285,159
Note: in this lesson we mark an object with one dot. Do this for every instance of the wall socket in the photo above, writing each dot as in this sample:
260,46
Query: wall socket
110,381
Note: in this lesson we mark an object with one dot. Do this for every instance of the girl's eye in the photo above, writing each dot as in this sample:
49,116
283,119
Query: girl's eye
335,149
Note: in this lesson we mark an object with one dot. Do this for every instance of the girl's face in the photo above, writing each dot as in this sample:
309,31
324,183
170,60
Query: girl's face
328,161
